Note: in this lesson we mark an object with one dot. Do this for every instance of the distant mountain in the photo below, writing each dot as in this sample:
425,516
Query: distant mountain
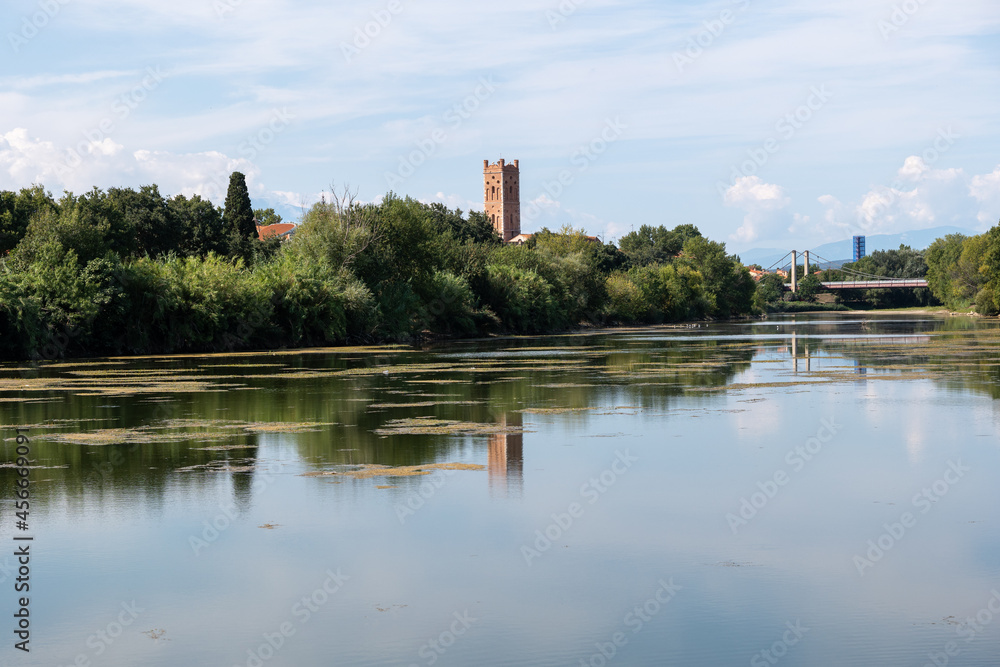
843,251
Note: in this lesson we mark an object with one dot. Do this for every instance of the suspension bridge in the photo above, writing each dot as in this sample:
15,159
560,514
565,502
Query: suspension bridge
859,279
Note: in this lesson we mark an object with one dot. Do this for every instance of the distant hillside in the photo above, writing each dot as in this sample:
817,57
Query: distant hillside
839,252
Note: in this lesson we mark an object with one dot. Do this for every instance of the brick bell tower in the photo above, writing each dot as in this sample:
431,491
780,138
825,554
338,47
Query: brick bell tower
502,184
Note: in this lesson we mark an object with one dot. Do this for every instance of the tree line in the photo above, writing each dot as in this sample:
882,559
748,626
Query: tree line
127,271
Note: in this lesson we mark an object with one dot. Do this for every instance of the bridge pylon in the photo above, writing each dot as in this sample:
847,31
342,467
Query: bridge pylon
795,261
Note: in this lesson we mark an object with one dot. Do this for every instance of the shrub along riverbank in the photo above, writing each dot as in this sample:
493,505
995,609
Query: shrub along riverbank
132,272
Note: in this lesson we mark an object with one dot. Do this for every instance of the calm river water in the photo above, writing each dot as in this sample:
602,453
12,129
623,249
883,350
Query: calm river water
809,490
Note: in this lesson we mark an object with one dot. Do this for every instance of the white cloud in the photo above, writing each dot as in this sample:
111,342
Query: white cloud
455,201
206,174
919,198
542,211
43,80
25,160
762,204
985,189
227,70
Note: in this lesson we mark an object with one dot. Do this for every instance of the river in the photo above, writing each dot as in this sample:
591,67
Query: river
805,490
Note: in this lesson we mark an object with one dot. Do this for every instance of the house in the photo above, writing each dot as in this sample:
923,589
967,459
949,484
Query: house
282,230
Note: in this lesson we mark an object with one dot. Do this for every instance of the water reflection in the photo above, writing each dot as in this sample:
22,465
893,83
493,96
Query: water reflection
506,459
710,417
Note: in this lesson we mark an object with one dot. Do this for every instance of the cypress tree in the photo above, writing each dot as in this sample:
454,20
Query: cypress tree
237,218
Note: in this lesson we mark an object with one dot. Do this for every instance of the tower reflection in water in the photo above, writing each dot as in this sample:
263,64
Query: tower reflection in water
506,461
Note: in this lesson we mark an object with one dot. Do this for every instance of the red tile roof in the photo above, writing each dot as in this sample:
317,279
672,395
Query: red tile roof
281,229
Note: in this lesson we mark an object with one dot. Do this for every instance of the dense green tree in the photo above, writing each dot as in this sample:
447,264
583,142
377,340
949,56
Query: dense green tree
687,232
808,287
729,287
237,217
200,225
71,228
266,216
985,250
902,263
769,290
651,245
477,228
568,241
522,299
16,211
130,271
671,292
942,259
146,226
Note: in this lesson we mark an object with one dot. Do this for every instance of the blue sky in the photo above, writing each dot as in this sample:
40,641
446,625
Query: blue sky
778,123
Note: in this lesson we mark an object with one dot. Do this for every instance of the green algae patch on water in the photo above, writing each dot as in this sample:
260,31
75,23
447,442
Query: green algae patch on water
424,404
435,426
234,365
287,427
116,436
554,411
439,381
181,430
128,385
376,470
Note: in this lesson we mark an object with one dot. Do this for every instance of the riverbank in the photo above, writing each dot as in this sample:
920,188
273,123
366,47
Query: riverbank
803,307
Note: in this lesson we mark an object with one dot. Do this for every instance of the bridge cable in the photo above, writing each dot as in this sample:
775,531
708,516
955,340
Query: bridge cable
861,274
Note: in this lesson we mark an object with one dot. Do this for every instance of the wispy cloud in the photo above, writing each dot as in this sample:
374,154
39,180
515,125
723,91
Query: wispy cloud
229,68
